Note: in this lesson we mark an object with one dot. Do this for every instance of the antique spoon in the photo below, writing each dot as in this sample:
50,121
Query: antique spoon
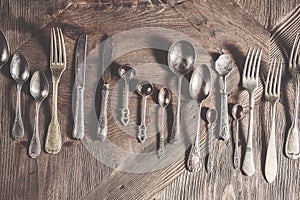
39,89
223,66
211,117
164,98
4,50
181,58
19,70
200,86
144,88
126,72
237,112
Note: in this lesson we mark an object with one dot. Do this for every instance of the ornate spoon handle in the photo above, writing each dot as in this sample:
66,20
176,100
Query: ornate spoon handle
175,135
161,150
125,110
102,127
35,145
18,127
236,160
142,134
225,135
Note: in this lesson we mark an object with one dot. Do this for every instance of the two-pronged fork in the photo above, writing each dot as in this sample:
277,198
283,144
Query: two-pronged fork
57,66
250,83
272,94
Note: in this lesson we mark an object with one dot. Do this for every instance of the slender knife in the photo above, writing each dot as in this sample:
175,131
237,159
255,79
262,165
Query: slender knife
106,61
80,65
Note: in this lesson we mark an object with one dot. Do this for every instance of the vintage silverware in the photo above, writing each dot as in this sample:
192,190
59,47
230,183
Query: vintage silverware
272,94
58,64
237,112
211,116
200,86
39,89
19,70
164,98
250,83
4,50
106,76
144,88
181,58
292,141
80,65
126,72
224,65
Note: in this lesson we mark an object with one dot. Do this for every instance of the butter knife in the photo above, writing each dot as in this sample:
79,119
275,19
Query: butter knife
80,65
106,75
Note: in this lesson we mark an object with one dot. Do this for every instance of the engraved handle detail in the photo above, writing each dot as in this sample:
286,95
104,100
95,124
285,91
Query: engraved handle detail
102,127
125,111
236,161
225,135
78,130
142,134
175,135
35,145
161,149
18,127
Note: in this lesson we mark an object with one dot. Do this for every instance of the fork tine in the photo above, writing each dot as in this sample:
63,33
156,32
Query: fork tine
268,79
55,46
280,64
59,46
293,49
258,64
272,70
295,56
246,66
250,68
254,62
51,46
63,47
276,67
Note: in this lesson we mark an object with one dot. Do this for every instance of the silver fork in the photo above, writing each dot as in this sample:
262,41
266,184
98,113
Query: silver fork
292,141
250,83
57,66
272,94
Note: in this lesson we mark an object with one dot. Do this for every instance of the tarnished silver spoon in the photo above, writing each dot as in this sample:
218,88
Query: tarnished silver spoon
211,117
4,50
200,87
19,70
39,89
237,112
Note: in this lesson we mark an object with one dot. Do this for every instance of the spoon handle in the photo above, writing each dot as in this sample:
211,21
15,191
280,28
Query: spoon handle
142,134
225,135
18,127
35,145
175,134
210,157
102,126
236,151
161,149
78,130
125,110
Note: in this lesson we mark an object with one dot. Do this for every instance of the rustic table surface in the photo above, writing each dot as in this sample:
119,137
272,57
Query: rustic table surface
77,172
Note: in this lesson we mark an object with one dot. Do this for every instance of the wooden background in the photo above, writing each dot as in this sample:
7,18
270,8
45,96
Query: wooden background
75,173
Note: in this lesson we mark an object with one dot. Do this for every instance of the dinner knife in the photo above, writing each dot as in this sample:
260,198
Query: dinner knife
80,65
106,61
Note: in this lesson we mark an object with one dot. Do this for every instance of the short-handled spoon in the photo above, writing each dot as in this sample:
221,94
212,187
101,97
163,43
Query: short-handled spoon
200,86
39,89
144,88
237,113
164,98
181,58
19,70
4,50
126,72
211,117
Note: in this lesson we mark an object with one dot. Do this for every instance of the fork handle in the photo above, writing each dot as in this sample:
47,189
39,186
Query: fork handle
102,127
78,130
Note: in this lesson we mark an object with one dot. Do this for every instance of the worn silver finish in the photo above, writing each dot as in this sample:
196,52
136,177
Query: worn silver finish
39,89
211,117
106,76
181,58
292,149
144,88
4,50
237,112
200,87
272,94
126,72
80,65
250,83
224,65
164,98
19,70
58,65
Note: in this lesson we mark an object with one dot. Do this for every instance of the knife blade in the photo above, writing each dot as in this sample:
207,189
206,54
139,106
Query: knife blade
80,65
106,60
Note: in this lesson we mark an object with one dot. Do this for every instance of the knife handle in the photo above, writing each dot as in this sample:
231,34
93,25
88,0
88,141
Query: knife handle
78,130
102,127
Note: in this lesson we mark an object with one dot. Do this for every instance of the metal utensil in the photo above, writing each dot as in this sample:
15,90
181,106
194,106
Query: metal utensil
250,83
19,70
80,65
224,65
106,76
237,112
39,89
272,94
4,50
211,116
58,65
181,58
144,88
126,72
292,149
200,87
164,98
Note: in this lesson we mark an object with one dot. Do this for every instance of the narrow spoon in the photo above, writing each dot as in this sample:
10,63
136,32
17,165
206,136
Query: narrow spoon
4,50
144,88
164,98
19,70
39,89
181,58
126,72
237,112
211,117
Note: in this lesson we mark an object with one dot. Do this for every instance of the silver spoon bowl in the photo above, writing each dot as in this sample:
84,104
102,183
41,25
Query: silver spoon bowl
237,112
4,50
